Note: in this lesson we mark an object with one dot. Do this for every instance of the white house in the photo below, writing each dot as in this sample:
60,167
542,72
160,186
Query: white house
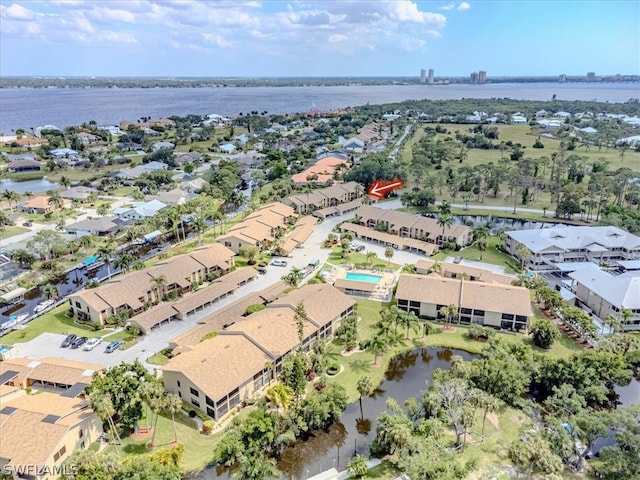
518,119
140,210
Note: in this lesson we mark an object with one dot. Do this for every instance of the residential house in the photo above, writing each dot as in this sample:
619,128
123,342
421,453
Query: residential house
407,225
159,145
19,166
140,210
177,196
134,291
332,196
321,173
189,157
425,266
78,193
63,153
26,142
86,137
40,205
101,226
217,374
550,248
40,431
607,294
259,229
227,148
518,119
482,303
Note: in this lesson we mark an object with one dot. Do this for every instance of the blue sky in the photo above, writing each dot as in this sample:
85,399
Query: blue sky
318,38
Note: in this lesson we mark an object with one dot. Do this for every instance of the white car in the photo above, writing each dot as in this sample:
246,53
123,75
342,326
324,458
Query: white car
92,343
278,263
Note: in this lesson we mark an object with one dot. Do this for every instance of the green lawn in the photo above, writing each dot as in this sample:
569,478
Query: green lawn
492,255
129,340
158,359
356,258
10,231
54,321
198,452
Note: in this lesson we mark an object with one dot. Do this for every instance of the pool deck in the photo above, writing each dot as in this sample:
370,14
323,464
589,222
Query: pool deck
380,291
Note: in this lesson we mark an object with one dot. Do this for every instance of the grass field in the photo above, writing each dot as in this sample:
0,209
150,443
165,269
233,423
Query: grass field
526,136
54,321
491,255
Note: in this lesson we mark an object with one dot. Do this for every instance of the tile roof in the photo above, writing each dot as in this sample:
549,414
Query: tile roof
355,285
454,269
446,291
220,364
67,372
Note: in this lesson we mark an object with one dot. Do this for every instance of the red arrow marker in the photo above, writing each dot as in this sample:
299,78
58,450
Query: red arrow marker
380,189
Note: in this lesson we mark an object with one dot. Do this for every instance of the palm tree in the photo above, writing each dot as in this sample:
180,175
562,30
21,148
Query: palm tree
147,390
436,267
103,209
444,220
376,345
449,312
200,225
11,197
482,245
55,200
157,405
103,406
444,208
87,241
173,405
501,233
65,181
158,285
294,277
488,403
51,292
124,262
364,387
279,396
371,256
218,217
105,253
92,198
410,321
388,253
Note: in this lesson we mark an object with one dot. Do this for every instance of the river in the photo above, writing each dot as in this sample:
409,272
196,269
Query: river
29,108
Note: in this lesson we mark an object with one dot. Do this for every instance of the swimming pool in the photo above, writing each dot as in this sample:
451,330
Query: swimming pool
363,277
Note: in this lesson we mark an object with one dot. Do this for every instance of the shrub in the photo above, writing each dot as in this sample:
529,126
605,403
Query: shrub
207,336
133,330
208,426
544,332
333,369
480,332
256,307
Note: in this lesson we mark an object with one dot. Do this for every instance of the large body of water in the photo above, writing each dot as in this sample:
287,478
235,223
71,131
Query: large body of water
26,108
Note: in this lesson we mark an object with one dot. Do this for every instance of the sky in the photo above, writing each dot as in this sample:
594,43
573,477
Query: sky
337,38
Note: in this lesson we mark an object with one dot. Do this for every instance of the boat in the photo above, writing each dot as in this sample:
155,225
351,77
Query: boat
20,318
9,325
43,306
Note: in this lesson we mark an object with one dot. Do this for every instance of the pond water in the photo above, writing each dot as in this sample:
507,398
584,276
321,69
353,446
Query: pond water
407,376
496,222
33,186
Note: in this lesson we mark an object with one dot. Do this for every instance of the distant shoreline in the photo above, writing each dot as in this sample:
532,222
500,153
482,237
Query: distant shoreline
36,82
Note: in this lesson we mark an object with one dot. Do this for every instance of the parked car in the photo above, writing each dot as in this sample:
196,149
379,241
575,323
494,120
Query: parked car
93,343
68,340
27,224
262,270
458,259
113,346
78,342
278,263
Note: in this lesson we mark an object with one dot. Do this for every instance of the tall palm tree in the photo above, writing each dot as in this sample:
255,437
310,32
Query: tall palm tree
11,197
200,225
105,253
158,285
173,404
103,406
444,208
409,321
157,405
449,312
124,262
371,256
87,241
376,345
55,200
444,220
436,267
482,246
364,387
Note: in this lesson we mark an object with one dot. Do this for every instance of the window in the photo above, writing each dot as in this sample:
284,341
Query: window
465,311
178,382
211,412
82,445
209,401
478,313
414,304
402,303
80,433
194,392
195,402
78,305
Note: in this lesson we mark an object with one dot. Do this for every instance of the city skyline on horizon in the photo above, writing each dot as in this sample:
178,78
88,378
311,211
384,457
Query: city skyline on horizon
276,39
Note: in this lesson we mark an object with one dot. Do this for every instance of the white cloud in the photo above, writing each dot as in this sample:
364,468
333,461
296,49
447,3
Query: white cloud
464,6
16,12
449,6
83,24
407,11
216,39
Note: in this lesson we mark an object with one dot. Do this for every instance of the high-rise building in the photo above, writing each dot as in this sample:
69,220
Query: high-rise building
473,78
423,75
482,76
430,78
591,77
562,78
